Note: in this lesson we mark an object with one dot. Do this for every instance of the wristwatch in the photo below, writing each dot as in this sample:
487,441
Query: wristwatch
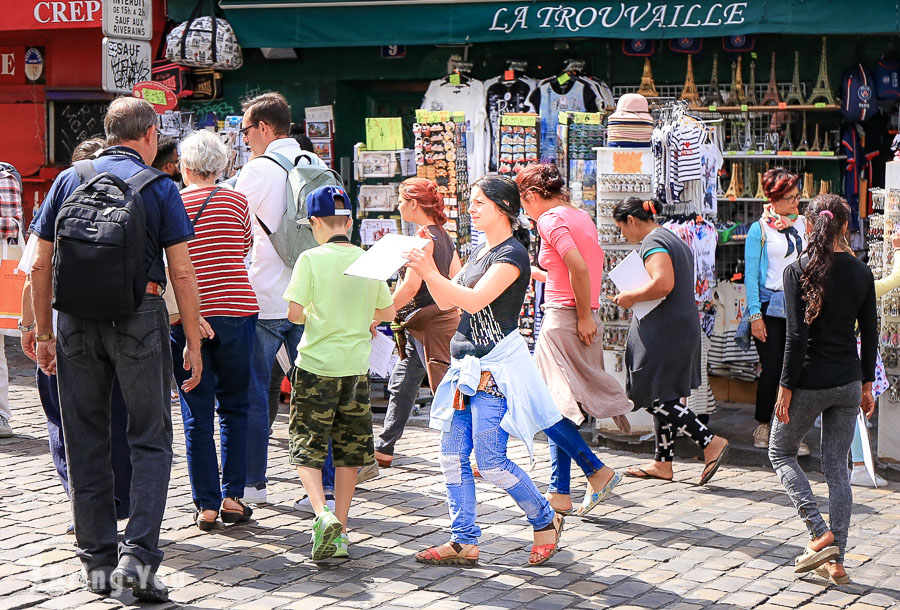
43,338
25,329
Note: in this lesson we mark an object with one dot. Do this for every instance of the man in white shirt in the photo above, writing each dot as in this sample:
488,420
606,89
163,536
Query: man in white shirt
266,128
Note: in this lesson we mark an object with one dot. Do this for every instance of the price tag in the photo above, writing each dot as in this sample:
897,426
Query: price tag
743,107
563,78
820,104
458,116
798,153
753,55
782,104
563,118
750,152
519,120
509,75
155,97
713,107
587,118
454,79
421,115
384,134
827,153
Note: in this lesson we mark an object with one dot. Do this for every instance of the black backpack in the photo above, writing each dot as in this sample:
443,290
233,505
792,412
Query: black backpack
99,271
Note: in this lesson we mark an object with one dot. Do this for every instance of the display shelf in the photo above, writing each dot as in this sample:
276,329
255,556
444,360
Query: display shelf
792,155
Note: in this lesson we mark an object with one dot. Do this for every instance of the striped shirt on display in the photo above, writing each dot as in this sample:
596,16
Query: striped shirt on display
223,237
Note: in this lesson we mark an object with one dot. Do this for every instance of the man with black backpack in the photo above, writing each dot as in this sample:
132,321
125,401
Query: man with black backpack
102,230
274,182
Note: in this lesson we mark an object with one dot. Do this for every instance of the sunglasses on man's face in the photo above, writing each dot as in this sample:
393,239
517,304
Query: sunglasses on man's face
245,130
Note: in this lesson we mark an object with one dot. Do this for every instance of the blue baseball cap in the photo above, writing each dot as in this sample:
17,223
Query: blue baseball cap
320,202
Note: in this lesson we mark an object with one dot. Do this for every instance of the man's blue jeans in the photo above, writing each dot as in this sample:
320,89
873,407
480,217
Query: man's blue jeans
567,444
226,379
478,427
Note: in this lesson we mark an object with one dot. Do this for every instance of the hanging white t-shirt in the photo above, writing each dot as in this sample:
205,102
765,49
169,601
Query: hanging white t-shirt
781,252
710,162
468,98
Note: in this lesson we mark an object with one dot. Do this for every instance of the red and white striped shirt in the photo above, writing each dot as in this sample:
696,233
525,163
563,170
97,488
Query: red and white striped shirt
222,239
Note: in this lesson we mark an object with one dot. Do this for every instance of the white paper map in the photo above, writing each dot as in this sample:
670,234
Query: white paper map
630,274
385,258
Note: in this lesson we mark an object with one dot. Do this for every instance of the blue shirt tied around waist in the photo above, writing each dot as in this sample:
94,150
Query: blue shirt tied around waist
530,404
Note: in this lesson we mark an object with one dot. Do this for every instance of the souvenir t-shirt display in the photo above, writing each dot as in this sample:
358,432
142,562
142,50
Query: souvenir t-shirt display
478,333
552,97
501,97
467,97
710,163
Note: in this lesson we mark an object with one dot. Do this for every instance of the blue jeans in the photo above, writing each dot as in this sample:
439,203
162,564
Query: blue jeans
120,454
270,336
566,444
478,427
226,379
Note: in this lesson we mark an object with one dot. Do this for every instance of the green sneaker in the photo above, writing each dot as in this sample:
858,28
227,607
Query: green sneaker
326,528
341,544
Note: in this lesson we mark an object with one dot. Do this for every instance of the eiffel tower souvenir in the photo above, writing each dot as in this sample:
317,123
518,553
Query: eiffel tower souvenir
786,143
751,90
826,144
760,191
732,98
804,142
795,94
648,89
809,185
714,96
738,84
748,135
734,188
689,92
745,186
822,90
816,146
734,141
771,96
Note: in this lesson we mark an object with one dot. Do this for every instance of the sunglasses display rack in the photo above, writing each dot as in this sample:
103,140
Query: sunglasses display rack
440,156
580,134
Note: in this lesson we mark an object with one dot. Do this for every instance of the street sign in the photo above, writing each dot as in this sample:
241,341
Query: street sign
128,19
393,51
125,63
157,94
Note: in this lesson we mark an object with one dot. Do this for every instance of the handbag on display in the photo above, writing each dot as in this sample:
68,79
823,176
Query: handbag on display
175,77
206,85
204,41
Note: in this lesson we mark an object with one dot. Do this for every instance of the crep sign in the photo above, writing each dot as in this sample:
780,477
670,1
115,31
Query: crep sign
72,11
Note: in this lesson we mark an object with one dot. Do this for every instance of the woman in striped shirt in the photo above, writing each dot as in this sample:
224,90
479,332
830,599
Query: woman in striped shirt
222,239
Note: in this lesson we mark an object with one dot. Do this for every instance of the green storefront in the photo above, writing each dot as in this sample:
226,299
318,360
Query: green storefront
339,55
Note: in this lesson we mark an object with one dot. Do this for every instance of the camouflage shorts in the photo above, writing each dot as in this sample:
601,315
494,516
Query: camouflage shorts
335,409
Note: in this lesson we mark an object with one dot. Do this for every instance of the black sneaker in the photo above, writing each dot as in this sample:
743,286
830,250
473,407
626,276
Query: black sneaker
146,587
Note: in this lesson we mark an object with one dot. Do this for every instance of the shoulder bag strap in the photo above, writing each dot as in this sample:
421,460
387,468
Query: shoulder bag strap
145,178
187,26
203,206
84,170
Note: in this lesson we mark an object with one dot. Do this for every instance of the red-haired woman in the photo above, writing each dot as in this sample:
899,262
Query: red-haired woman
428,328
773,243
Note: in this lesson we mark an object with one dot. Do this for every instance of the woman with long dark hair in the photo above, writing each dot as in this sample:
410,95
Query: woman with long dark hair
827,292
662,356
492,388
773,242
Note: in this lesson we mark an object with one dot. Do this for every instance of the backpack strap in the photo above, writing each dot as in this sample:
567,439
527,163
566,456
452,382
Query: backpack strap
205,203
84,170
279,160
145,178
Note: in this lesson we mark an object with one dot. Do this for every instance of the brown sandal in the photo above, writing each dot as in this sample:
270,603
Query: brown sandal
433,557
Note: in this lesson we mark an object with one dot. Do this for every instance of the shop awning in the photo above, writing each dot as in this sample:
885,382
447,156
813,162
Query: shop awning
343,23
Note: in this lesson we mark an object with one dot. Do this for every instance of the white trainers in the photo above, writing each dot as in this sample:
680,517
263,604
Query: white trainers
860,477
5,429
254,495
761,436
803,450
303,505
366,473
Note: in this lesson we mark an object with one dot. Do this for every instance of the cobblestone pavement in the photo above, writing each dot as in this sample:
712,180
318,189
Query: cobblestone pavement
651,545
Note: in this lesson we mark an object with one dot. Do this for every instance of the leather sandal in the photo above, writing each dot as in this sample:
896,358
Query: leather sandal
546,551
234,516
203,524
462,558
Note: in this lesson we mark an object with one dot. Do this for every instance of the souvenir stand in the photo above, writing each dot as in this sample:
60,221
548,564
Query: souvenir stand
883,225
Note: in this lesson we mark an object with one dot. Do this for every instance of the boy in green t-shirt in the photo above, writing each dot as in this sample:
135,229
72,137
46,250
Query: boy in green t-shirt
330,400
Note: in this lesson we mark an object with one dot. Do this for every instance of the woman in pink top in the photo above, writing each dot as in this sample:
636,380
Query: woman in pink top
568,351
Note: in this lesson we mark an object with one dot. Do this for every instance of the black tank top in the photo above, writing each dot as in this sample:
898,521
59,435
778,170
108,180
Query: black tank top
443,257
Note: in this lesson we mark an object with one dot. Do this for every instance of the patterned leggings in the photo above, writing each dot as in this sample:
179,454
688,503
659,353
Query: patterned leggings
670,419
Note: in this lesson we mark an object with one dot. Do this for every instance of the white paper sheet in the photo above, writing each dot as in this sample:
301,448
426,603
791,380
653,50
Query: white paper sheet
630,274
380,356
283,360
382,260
867,449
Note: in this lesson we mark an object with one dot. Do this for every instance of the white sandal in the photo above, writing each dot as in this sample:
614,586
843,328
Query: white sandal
823,571
809,560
